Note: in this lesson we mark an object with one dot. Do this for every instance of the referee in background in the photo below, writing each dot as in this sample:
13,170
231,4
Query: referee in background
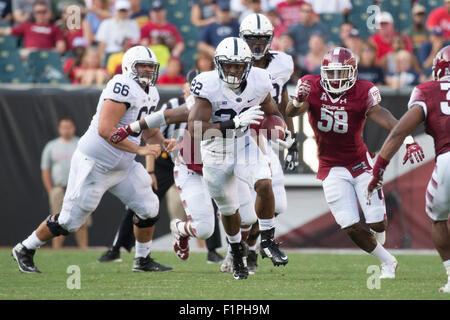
163,172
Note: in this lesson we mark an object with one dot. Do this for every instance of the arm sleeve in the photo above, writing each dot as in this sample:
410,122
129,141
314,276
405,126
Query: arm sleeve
417,97
373,97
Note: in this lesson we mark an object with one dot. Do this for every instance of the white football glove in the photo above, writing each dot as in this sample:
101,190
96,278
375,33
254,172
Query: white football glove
248,117
288,140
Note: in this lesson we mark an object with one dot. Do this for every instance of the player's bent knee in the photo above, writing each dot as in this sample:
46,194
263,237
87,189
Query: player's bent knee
378,226
55,228
144,223
204,230
353,229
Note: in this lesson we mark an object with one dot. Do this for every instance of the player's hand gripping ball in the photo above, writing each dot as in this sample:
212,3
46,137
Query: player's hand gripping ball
274,128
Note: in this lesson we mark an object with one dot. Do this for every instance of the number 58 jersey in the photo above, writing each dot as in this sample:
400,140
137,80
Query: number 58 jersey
138,104
338,122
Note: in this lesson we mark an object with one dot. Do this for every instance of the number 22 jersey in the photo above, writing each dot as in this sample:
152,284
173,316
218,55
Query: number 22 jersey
337,122
138,103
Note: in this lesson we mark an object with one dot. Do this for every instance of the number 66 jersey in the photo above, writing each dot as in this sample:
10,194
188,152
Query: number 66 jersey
138,103
337,122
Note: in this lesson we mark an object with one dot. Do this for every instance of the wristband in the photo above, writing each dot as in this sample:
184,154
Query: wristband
296,103
135,126
408,140
155,120
225,125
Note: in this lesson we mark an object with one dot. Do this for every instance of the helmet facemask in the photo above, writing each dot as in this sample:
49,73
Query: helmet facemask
338,78
145,77
233,72
259,43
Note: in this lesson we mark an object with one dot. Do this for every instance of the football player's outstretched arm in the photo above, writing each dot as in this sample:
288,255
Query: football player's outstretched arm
110,115
153,120
404,127
299,104
382,117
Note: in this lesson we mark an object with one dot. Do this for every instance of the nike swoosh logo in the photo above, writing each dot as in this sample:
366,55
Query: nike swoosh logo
248,101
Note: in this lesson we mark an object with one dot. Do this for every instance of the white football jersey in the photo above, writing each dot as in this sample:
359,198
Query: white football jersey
280,68
139,104
226,104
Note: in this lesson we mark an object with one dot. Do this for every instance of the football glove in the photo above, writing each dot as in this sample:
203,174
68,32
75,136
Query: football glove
291,160
413,151
120,134
377,180
248,117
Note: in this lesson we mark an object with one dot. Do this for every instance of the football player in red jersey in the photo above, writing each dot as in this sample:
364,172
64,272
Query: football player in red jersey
338,105
429,103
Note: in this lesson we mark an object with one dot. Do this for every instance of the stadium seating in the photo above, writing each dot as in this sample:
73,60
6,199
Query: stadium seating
11,69
8,42
333,22
46,67
179,13
430,4
359,17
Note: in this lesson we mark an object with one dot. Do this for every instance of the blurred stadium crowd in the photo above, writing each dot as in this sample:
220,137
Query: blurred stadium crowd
83,41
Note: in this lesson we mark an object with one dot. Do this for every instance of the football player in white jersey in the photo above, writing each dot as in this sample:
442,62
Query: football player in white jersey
188,177
227,101
98,166
257,30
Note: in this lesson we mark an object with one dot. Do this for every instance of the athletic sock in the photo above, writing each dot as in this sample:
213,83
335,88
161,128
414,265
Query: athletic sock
382,254
252,248
181,229
447,267
33,242
380,236
266,224
235,239
142,249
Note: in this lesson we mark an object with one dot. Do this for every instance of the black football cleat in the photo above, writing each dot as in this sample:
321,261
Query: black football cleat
252,261
110,255
270,249
24,259
147,264
239,253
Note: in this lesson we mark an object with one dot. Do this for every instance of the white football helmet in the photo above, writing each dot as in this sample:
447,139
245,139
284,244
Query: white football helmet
140,55
233,60
257,30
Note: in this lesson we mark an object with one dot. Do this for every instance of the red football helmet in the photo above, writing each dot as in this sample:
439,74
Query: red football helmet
441,64
338,70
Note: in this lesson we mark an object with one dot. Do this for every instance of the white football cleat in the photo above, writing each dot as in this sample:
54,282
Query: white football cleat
181,243
388,270
227,265
446,288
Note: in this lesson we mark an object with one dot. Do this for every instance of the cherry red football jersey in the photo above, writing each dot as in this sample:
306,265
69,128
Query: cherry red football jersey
338,122
434,98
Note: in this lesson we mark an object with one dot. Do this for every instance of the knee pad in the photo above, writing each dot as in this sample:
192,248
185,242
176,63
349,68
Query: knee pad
204,230
144,223
55,228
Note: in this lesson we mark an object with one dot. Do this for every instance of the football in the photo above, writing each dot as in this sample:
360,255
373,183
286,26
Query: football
274,127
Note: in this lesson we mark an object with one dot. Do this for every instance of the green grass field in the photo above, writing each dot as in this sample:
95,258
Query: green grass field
307,276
